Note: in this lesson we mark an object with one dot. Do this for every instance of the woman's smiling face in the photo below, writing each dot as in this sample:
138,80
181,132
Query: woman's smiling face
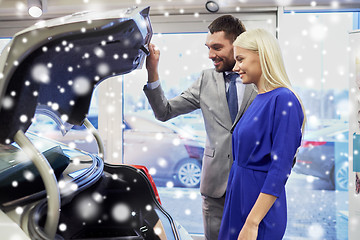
247,65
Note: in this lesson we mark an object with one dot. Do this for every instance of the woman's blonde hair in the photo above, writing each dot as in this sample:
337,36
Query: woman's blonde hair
267,47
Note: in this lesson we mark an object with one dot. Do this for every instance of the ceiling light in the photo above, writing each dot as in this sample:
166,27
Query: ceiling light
35,8
212,6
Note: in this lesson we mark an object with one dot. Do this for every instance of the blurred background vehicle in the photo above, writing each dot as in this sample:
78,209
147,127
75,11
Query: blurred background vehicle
169,152
324,154
192,123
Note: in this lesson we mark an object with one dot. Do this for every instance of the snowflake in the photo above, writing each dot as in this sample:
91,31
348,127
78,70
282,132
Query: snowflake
103,69
19,210
170,184
7,102
98,52
40,73
81,86
157,231
23,118
55,106
29,175
152,171
62,227
87,209
15,183
316,231
97,197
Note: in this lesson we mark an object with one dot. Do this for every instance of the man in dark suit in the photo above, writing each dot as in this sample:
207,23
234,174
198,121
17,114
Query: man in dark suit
210,93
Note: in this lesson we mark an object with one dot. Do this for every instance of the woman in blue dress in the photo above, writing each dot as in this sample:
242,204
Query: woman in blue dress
265,142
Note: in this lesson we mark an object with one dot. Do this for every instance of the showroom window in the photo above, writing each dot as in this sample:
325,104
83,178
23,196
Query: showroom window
316,54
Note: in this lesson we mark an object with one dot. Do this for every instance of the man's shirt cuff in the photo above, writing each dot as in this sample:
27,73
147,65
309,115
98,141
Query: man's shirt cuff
153,85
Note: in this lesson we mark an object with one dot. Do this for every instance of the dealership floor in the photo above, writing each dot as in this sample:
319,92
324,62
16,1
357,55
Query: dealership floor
313,211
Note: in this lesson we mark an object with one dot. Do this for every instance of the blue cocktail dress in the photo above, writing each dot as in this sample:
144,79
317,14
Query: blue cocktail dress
265,141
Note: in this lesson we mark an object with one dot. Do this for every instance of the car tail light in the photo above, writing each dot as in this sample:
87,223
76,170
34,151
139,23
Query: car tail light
306,144
146,172
194,152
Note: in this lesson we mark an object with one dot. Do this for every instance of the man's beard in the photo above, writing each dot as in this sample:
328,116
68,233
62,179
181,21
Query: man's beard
225,67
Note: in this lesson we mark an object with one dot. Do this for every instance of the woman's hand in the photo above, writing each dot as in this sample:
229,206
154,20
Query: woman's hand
248,232
256,215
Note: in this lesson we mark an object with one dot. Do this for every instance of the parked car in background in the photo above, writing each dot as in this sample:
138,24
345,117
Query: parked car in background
192,123
169,152
324,154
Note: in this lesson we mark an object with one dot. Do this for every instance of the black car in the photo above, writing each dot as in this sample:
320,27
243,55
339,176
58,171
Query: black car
52,67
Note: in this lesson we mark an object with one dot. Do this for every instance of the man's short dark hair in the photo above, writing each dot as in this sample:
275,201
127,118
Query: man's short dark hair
232,26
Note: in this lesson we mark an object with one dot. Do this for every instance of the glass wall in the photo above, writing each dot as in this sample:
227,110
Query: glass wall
315,49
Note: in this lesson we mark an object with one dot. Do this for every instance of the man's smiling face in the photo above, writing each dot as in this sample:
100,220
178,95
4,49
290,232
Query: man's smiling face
221,51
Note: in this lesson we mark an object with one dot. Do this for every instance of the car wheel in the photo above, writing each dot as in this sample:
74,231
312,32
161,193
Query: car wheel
188,173
341,178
